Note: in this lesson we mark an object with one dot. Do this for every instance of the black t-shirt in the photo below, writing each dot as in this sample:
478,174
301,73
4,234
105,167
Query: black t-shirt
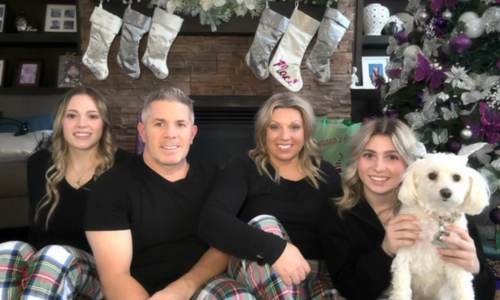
162,216
66,222
240,194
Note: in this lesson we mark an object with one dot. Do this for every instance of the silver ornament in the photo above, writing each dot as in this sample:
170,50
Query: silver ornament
421,29
466,133
384,109
442,97
447,15
423,16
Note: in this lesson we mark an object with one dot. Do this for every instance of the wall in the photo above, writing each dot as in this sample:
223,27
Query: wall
213,65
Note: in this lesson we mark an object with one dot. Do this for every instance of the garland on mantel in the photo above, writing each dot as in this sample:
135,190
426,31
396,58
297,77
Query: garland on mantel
213,12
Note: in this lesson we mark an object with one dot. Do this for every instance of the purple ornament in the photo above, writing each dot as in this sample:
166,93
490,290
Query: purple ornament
440,22
498,64
401,37
454,145
391,112
495,215
460,43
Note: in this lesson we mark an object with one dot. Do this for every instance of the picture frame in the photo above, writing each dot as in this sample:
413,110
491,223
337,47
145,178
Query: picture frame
70,71
28,73
2,71
3,9
60,18
371,64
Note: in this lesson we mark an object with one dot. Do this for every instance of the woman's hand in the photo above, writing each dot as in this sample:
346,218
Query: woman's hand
465,254
291,265
400,231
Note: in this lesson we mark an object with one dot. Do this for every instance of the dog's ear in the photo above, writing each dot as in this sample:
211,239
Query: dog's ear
478,196
408,194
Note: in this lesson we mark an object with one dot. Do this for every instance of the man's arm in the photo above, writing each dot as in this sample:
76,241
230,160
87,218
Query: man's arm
212,263
113,255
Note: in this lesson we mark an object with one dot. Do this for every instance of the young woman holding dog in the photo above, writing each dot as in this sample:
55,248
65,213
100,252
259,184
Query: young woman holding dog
59,181
362,230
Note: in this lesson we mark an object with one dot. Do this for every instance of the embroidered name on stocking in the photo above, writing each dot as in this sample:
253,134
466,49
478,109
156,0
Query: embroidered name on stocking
283,72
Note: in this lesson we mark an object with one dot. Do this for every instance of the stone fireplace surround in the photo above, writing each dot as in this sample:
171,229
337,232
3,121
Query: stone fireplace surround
212,71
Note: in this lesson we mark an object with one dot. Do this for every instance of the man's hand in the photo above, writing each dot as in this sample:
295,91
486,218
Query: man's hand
177,290
291,265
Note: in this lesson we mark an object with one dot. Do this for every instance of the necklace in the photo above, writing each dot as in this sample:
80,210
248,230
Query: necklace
79,181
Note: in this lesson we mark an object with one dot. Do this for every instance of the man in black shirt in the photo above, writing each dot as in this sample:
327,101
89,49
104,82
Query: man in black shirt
142,216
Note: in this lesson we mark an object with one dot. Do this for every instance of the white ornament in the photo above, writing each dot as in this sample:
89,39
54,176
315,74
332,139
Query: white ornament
374,19
411,52
447,15
474,28
467,16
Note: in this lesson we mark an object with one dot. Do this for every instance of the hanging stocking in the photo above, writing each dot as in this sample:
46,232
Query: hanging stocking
271,27
135,25
285,65
105,26
331,31
163,32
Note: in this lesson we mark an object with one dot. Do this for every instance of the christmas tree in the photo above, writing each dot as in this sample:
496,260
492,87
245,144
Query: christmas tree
444,79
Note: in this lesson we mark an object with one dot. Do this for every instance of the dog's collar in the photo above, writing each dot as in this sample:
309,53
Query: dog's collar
448,218
442,232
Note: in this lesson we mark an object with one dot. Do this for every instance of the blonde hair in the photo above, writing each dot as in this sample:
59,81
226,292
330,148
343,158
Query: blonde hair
59,148
404,141
260,153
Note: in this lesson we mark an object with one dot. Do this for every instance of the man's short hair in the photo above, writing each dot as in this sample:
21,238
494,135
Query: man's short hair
167,94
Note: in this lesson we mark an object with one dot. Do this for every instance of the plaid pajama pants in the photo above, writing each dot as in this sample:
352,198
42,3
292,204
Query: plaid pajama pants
265,284
223,288
54,272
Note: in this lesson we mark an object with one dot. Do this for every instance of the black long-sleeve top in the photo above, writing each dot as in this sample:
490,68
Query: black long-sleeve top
66,222
240,194
359,268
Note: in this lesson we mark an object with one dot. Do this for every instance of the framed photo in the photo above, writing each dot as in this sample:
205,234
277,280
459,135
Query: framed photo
60,18
70,71
372,67
2,16
28,73
2,71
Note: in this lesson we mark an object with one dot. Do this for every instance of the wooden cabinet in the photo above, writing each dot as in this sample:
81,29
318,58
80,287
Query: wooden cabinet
42,46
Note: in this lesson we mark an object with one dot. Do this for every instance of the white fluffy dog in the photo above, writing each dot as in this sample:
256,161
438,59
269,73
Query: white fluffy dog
439,190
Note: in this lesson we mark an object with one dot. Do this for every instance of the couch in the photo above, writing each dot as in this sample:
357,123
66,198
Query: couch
14,202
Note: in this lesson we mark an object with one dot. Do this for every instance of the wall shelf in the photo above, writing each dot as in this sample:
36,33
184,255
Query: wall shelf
375,40
39,38
32,91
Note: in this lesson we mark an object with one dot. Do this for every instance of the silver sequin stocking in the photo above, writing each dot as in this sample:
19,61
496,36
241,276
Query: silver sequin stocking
163,32
105,26
271,27
332,29
135,25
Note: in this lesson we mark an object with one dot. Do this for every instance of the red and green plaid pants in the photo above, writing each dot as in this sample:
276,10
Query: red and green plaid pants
54,272
265,284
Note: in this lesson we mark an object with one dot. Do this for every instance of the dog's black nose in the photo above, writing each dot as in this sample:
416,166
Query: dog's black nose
446,193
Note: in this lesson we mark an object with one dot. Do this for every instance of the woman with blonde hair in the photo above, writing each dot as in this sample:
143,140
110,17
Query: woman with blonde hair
272,197
362,230
59,181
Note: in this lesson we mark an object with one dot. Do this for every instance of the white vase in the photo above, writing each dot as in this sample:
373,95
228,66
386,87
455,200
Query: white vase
374,19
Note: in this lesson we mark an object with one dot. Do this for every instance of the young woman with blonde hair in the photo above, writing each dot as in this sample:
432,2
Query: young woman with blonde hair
362,230
265,206
59,181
